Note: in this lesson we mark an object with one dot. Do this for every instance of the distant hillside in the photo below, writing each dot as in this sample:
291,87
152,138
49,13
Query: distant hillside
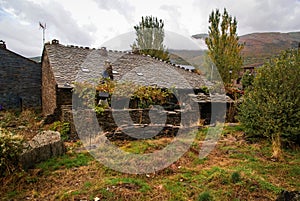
187,57
260,47
200,36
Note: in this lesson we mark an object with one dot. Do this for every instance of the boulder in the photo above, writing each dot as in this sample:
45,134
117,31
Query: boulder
43,146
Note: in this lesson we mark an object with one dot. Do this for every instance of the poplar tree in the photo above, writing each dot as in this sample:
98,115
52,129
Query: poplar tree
223,45
150,36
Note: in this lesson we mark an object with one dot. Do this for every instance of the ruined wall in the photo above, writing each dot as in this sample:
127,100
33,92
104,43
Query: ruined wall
20,81
127,119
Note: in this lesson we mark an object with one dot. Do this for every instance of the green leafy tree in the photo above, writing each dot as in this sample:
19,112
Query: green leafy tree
150,36
271,108
223,45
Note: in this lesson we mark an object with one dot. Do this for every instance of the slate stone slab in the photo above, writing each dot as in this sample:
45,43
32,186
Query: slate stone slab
42,147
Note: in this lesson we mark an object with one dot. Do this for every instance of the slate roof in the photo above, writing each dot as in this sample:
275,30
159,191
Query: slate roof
74,64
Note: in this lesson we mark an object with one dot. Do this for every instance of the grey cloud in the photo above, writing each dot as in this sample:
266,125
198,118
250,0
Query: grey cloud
123,7
59,21
31,41
276,15
174,13
257,15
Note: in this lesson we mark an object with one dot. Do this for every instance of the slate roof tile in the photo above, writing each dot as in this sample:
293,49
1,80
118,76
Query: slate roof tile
70,64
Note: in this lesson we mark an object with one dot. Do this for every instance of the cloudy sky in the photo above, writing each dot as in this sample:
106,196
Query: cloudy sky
94,22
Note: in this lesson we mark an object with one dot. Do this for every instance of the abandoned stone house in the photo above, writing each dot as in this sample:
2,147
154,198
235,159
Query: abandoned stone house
20,80
63,65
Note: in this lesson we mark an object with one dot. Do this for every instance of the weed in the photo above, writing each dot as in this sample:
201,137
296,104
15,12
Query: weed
268,186
63,128
31,180
11,146
243,156
143,186
177,188
136,147
87,185
205,196
12,194
235,177
295,171
104,194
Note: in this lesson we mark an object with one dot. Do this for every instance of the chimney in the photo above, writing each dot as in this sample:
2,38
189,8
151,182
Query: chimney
108,69
55,42
103,51
2,44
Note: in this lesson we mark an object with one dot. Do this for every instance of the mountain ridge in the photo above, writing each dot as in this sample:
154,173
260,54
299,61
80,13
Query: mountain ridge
261,46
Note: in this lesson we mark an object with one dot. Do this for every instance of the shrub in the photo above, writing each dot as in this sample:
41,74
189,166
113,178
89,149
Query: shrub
235,177
11,146
271,108
247,79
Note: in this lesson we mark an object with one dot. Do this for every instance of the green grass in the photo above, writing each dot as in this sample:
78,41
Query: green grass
12,194
234,170
142,185
177,189
205,196
66,161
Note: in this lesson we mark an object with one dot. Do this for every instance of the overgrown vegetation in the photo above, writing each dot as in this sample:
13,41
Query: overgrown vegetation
235,170
140,96
11,146
63,128
271,108
247,79
26,123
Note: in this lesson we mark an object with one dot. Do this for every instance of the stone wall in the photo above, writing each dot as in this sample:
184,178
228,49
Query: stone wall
48,87
114,123
20,81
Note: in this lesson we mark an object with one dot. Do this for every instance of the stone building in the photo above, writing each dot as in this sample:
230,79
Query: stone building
20,80
63,65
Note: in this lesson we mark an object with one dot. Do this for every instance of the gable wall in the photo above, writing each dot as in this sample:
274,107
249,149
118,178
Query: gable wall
20,81
48,87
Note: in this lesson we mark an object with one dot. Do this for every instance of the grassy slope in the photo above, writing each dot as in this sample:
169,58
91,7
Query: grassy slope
235,170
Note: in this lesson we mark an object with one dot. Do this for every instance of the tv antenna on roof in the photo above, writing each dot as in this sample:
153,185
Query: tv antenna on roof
43,26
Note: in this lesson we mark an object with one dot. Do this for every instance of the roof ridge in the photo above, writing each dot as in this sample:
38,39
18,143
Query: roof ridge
169,62
178,66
